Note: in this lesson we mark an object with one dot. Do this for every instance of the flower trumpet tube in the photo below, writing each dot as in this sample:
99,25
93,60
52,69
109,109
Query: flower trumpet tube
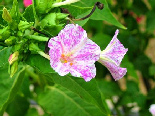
66,2
72,52
112,56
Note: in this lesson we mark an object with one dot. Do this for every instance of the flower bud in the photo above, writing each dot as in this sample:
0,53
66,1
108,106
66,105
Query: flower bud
6,15
13,69
11,40
13,57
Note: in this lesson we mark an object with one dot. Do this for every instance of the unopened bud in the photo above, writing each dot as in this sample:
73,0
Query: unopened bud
6,15
13,57
13,69
11,40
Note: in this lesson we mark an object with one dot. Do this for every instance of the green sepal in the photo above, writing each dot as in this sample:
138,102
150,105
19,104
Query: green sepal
24,25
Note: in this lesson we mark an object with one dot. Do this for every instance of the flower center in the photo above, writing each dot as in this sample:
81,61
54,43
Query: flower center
66,59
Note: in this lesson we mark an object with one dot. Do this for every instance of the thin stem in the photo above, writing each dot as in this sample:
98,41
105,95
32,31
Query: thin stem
98,4
39,31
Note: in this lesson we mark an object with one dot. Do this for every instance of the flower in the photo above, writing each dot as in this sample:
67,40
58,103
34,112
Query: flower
152,109
27,2
64,3
112,56
72,52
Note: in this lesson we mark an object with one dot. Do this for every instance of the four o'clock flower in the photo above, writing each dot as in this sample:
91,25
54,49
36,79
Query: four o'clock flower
112,56
27,2
72,52
66,2
152,109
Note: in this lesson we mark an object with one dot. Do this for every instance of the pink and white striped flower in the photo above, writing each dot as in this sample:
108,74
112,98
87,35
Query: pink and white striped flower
72,52
112,56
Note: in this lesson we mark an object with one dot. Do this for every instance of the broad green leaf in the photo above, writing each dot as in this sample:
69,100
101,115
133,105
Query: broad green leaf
104,14
69,103
22,105
29,14
9,86
40,63
4,56
88,91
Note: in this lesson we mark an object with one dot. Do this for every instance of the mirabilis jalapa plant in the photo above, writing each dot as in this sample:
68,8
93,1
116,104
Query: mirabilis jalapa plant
71,51
47,30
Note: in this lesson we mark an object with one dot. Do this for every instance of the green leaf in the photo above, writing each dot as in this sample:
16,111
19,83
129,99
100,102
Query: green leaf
69,103
88,91
40,63
29,14
9,86
104,14
4,58
21,104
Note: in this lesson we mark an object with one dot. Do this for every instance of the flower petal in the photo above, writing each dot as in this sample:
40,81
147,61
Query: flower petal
115,51
87,72
89,53
152,109
73,37
116,71
55,55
